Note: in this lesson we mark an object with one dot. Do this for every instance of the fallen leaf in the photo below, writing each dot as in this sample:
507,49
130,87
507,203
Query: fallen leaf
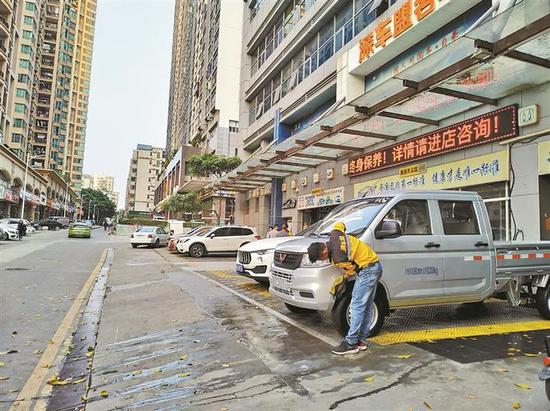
427,404
46,366
104,394
50,342
8,352
342,380
14,333
516,405
224,409
183,357
12,391
2,364
156,370
90,353
56,381
37,352
523,386
184,374
226,365
370,379
503,370
137,372
472,397
82,338
81,380
196,341
450,377
4,378
405,356
530,355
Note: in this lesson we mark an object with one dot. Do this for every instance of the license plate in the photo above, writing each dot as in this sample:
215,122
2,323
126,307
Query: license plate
240,268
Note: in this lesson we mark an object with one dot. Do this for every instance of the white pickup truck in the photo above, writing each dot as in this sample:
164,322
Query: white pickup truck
436,247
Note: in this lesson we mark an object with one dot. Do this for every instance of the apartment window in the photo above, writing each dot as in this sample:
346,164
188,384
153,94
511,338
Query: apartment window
26,49
233,126
20,108
29,20
19,123
27,34
16,138
21,92
30,6
26,64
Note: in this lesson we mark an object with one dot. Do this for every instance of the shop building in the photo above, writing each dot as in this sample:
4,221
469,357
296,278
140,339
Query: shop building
423,101
45,192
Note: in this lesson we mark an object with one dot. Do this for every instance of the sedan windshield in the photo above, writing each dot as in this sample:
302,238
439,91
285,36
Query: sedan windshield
146,230
356,215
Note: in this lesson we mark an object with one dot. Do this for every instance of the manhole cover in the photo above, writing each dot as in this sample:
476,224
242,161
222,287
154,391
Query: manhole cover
16,269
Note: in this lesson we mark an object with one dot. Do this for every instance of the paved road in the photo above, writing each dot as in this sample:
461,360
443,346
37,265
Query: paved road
39,279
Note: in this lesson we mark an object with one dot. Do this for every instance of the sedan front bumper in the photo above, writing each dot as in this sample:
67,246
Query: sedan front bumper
258,267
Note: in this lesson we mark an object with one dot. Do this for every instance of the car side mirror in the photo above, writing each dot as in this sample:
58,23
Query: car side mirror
212,235
388,229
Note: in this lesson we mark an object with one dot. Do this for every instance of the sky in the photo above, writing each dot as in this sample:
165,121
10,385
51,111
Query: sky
130,84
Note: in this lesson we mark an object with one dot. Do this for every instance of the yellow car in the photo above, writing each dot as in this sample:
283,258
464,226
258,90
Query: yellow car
80,231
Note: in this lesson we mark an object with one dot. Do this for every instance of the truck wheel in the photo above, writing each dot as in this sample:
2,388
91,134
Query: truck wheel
134,245
341,315
543,301
298,310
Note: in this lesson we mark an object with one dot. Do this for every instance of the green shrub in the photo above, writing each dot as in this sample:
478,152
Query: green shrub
144,221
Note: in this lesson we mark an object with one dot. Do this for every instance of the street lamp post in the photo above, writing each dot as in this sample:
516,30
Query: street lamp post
93,217
66,195
89,207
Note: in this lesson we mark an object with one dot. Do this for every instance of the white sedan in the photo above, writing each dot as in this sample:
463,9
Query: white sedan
8,232
149,235
217,240
254,260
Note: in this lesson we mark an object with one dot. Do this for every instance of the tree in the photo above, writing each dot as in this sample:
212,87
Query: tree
173,204
204,165
104,207
192,203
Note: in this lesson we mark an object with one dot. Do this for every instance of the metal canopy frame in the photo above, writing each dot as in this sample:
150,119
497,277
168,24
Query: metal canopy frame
469,52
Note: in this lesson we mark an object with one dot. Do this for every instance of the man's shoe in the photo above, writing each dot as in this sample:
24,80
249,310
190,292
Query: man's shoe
361,346
345,348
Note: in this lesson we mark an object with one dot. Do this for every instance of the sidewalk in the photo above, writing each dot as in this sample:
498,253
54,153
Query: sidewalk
170,339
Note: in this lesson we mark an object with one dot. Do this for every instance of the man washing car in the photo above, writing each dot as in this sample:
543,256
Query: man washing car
357,259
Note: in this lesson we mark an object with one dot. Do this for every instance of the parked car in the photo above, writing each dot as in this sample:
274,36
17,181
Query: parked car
80,230
14,223
217,240
64,221
149,235
9,233
254,259
173,241
436,247
51,223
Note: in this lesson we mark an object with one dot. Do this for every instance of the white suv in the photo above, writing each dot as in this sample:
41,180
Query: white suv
254,259
218,240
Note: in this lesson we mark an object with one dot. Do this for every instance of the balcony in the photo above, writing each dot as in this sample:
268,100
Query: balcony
4,26
6,7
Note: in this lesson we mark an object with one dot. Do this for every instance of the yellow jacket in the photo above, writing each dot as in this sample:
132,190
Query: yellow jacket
348,252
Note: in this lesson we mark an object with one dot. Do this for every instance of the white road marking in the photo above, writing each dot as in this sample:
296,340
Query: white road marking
271,311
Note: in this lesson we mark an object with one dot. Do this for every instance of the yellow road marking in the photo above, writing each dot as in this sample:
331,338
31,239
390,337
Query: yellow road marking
397,337
36,382
255,288
224,274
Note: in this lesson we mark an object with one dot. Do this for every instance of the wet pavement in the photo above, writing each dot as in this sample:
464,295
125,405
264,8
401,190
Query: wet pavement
178,333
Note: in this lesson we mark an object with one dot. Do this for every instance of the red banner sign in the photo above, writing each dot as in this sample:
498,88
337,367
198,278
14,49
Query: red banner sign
488,127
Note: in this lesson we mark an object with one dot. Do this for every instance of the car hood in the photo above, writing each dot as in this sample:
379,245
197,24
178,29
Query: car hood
265,244
300,245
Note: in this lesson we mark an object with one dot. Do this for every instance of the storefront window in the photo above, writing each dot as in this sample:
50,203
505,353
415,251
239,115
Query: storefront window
496,201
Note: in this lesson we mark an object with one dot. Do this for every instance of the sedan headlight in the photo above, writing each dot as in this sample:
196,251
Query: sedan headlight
262,252
318,263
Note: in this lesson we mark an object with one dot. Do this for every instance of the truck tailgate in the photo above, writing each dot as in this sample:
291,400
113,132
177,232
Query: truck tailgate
522,258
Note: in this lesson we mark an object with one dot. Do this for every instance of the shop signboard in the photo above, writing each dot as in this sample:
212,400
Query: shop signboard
326,198
484,169
389,29
11,196
290,203
486,128
544,157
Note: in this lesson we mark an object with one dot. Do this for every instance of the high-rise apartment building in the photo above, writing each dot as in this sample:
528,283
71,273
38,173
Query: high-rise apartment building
8,13
205,74
204,89
52,64
145,168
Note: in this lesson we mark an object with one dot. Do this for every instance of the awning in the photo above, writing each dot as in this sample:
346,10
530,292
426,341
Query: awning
506,54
